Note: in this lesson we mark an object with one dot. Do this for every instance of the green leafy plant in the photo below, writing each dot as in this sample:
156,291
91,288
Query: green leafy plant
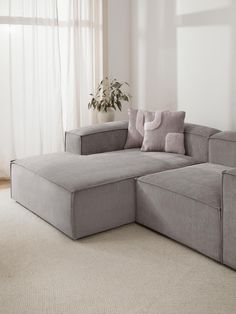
109,94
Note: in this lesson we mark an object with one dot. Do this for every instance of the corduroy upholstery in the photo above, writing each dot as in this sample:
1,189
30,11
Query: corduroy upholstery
97,185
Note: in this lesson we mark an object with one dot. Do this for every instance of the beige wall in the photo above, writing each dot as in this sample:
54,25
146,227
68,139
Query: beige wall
177,54
206,59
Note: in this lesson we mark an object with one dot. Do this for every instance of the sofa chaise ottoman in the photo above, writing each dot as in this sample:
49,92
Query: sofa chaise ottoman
83,195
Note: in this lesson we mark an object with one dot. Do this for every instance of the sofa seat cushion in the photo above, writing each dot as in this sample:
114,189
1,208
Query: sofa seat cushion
76,172
202,182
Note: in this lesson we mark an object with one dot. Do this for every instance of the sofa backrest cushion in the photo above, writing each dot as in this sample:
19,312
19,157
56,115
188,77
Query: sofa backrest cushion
135,128
222,148
197,140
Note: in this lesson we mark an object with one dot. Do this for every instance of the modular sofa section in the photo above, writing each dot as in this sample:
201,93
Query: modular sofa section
229,218
75,213
185,205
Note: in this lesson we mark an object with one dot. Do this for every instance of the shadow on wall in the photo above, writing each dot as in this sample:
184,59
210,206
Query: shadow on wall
183,57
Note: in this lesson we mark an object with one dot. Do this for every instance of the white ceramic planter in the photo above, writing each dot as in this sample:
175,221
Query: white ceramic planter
106,116
93,116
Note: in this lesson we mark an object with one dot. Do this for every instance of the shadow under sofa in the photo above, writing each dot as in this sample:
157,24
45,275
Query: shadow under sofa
96,185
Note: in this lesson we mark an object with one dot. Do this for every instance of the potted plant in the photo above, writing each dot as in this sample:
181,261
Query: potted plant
108,98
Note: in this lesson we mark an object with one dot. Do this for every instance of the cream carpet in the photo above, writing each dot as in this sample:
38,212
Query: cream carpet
127,270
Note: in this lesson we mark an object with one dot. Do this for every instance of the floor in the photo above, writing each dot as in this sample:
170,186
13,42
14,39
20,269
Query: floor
4,184
127,270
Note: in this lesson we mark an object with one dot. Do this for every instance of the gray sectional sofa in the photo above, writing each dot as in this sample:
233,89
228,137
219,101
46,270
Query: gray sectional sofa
96,185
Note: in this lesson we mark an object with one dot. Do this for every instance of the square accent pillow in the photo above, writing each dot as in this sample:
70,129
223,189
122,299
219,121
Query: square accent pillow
175,143
157,125
135,128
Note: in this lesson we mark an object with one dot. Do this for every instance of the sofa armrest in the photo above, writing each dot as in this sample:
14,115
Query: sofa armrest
229,217
97,138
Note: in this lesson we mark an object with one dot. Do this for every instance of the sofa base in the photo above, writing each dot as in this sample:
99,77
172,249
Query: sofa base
77,214
186,221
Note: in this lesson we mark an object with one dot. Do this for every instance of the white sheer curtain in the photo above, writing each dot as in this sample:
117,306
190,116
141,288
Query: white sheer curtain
50,61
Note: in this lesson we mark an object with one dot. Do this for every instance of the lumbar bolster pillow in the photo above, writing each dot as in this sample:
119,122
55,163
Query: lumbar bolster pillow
175,143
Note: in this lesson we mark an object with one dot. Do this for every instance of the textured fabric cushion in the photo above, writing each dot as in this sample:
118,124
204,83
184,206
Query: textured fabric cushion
222,148
184,204
158,125
202,182
135,128
175,143
75,172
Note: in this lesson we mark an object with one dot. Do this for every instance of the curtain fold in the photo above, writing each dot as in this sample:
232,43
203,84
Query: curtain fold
51,59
